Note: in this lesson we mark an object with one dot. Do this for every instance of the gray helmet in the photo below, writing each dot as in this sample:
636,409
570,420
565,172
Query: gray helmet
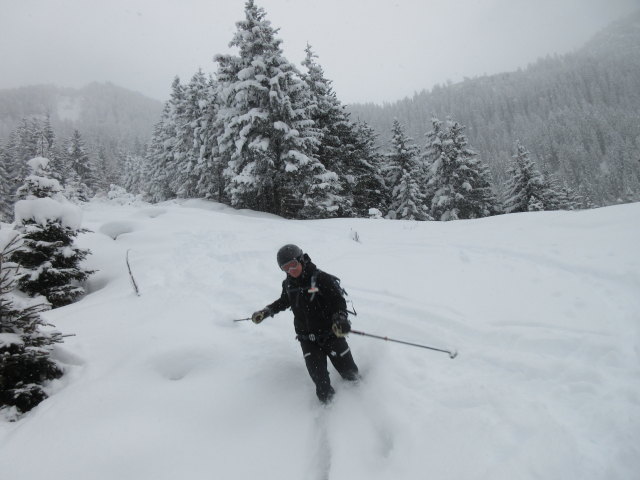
287,253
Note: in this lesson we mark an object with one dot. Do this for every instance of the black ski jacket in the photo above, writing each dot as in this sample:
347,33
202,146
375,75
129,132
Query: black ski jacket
314,297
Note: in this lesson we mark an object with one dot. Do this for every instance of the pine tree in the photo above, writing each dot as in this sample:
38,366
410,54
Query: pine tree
6,195
22,146
554,197
47,148
211,164
368,188
187,148
156,181
328,114
568,197
25,348
82,178
346,148
458,182
338,149
39,183
269,137
74,190
133,174
403,177
48,225
45,138
526,188
24,143
163,158
108,172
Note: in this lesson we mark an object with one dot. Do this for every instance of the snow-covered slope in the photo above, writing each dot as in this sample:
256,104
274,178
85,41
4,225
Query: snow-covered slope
543,308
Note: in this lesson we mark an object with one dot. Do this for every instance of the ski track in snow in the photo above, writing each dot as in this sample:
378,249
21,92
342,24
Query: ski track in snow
544,385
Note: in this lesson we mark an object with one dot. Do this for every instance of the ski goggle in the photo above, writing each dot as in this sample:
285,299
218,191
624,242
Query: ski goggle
290,265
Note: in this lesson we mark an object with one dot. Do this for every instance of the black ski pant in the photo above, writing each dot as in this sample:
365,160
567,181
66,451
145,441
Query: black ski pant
315,357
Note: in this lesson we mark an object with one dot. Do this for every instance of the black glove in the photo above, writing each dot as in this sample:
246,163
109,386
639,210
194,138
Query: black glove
260,315
341,324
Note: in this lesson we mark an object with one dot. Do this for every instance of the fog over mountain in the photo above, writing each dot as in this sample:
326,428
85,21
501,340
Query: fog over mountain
104,113
576,113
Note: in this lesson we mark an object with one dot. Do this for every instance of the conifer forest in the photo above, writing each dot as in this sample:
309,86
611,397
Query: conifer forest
262,133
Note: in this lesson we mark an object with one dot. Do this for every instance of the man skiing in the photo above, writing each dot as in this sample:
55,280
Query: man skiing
319,317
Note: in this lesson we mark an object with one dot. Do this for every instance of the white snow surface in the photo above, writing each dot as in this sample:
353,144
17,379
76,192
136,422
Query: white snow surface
543,308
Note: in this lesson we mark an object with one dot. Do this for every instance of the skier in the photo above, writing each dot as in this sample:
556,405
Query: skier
319,317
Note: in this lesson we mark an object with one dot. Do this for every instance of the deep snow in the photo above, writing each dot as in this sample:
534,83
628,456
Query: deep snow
544,309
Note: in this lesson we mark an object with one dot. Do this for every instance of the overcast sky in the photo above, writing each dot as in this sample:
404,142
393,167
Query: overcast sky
373,50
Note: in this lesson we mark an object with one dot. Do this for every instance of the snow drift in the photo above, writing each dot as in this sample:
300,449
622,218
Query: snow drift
542,307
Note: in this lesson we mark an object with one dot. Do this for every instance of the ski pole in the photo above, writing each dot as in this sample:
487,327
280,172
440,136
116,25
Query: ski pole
242,319
133,280
452,353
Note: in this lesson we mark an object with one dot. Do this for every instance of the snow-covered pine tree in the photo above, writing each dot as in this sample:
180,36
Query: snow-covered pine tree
21,147
25,348
48,224
328,113
74,190
47,148
211,164
6,193
408,201
586,201
108,171
338,149
346,148
458,182
155,179
623,171
162,156
45,138
27,139
39,183
368,189
82,179
269,136
568,198
133,173
554,199
526,189
403,177
188,142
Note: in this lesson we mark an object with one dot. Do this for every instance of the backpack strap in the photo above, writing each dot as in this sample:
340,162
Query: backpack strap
312,288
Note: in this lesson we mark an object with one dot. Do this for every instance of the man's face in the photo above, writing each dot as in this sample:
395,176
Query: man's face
292,268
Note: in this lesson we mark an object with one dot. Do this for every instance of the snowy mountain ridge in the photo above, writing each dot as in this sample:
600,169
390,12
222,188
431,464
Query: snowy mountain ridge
542,307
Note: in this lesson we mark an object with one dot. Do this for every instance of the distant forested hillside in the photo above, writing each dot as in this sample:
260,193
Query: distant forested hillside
108,117
578,114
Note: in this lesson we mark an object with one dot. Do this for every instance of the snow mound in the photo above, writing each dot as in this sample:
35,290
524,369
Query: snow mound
115,229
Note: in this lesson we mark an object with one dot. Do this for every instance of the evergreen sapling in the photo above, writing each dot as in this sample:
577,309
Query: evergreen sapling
402,175
48,225
458,182
25,346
